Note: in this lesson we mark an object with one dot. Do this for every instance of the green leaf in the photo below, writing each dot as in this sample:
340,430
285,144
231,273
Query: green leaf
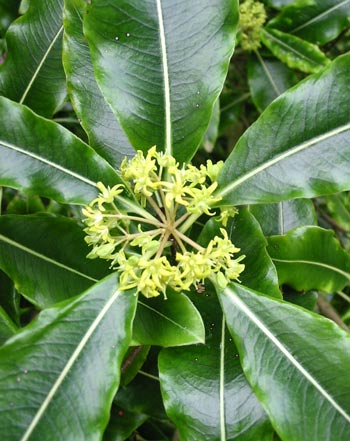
268,79
293,51
97,118
287,152
59,375
9,297
140,50
44,270
301,381
212,132
171,322
278,4
8,12
310,258
204,390
7,327
33,73
339,207
122,424
307,300
40,157
316,21
245,233
284,216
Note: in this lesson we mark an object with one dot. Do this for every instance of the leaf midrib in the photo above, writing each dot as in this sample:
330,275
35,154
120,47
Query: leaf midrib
47,162
40,65
250,314
45,258
310,262
317,17
290,48
80,347
281,157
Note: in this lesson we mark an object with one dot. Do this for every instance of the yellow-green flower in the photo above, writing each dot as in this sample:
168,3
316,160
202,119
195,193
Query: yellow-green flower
147,244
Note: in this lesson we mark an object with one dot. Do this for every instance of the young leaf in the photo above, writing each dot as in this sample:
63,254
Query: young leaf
33,73
284,216
296,362
295,52
310,258
45,270
40,157
59,375
171,322
204,390
97,118
268,79
140,52
287,152
319,21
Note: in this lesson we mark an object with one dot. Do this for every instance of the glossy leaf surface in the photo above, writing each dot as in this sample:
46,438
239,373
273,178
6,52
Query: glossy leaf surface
268,79
34,43
171,322
40,157
301,382
122,424
284,216
310,258
287,152
53,385
97,118
245,233
141,50
318,21
295,52
204,389
7,327
43,268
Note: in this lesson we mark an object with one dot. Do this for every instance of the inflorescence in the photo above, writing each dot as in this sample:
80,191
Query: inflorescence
146,241
252,16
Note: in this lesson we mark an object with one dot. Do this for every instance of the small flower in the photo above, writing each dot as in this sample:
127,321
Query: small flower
147,245
252,19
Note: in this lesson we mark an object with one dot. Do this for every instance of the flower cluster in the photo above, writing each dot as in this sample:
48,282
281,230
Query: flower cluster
145,240
252,18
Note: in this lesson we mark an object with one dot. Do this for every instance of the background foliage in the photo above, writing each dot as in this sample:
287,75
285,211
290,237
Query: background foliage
84,84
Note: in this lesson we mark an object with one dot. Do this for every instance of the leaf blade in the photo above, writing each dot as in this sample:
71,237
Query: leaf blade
259,168
306,382
148,98
98,306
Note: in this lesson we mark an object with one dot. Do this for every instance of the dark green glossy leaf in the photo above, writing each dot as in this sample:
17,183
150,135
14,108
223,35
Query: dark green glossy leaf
97,118
317,21
122,424
245,232
40,157
310,258
142,396
293,51
59,375
36,252
287,152
204,390
151,62
171,322
284,216
9,297
307,300
33,73
7,327
8,12
268,79
296,362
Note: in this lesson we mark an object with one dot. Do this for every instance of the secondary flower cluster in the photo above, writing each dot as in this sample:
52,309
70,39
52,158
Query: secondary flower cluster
146,241
252,16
